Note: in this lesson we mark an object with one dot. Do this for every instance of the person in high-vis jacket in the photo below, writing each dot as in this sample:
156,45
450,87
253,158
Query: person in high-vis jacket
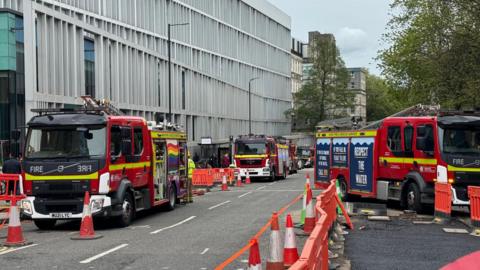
191,167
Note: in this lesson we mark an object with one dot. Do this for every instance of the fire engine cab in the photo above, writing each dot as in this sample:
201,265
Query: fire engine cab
262,156
125,163
403,158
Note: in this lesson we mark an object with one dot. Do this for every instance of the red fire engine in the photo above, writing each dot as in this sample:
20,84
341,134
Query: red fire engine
262,156
403,158
126,164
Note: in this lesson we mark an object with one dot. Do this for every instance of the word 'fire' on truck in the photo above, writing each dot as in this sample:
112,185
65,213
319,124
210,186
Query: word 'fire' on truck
403,158
125,163
262,156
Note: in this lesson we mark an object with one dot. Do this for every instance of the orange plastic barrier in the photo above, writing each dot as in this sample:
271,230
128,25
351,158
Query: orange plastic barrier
474,194
202,177
315,251
10,187
443,202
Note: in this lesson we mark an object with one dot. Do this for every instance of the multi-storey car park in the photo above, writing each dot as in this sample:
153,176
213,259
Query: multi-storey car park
57,51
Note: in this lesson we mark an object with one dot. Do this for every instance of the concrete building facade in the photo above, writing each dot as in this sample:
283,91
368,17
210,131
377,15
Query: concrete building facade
358,86
297,66
59,50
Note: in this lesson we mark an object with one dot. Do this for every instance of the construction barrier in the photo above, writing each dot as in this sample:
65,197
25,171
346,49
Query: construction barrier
443,202
474,195
11,191
202,178
315,251
10,187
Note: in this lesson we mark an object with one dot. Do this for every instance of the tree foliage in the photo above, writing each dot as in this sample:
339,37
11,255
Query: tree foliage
324,94
382,99
434,56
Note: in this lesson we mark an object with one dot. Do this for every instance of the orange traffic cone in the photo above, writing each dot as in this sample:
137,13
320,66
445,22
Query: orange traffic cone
309,213
224,183
239,180
247,179
275,259
14,234
254,259
290,252
86,228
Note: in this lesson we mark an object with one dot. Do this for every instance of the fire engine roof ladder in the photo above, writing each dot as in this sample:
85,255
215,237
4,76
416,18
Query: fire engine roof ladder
103,105
417,110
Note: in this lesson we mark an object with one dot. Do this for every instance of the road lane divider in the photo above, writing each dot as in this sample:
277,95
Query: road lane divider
262,230
93,258
218,205
245,194
174,225
8,250
204,251
260,188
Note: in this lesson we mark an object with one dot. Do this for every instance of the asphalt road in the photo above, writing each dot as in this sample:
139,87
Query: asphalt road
400,244
194,236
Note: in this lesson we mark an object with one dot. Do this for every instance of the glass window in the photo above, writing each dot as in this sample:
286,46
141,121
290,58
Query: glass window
115,141
251,148
428,129
89,51
183,90
73,142
408,135
138,141
394,139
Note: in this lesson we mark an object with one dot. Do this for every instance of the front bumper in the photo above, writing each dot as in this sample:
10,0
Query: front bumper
459,196
255,172
29,211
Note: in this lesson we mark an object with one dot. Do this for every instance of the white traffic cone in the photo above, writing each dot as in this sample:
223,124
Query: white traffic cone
224,183
275,259
290,252
254,259
309,213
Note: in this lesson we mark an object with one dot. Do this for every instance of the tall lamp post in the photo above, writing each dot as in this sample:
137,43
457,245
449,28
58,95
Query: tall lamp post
250,104
169,45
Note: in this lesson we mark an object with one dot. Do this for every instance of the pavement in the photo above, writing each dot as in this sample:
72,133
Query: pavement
401,244
193,236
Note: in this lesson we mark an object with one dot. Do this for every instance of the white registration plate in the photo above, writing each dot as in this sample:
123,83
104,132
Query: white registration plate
60,215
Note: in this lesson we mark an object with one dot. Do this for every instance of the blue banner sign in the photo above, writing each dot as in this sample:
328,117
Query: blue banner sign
339,152
322,157
361,164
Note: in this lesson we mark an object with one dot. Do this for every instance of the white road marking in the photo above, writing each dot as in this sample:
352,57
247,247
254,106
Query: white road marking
217,205
250,192
174,225
271,183
15,249
262,187
204,251
91,259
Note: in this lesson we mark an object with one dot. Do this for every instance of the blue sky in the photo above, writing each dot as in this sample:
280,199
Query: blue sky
358,25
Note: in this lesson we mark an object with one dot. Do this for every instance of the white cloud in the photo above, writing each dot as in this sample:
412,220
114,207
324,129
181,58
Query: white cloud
352,40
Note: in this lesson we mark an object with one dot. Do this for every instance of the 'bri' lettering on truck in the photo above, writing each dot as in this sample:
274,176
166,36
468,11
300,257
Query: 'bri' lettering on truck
402,159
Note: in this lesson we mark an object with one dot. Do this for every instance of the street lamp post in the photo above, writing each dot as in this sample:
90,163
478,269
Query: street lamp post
250,104
169,45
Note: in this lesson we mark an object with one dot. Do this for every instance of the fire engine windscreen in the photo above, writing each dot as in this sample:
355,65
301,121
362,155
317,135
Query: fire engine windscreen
66,142
463,141
251,148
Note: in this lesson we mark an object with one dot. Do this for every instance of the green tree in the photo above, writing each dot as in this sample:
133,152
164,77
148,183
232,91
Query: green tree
434,53
382,99
324,95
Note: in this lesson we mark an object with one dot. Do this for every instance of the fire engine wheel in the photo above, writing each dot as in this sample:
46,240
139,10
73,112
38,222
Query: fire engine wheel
172,198
284,174
272,175
343,189
128,210
45,224
412,198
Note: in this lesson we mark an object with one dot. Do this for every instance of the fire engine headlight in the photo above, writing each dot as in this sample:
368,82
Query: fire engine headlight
266,169
27,207
96,205
451,181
